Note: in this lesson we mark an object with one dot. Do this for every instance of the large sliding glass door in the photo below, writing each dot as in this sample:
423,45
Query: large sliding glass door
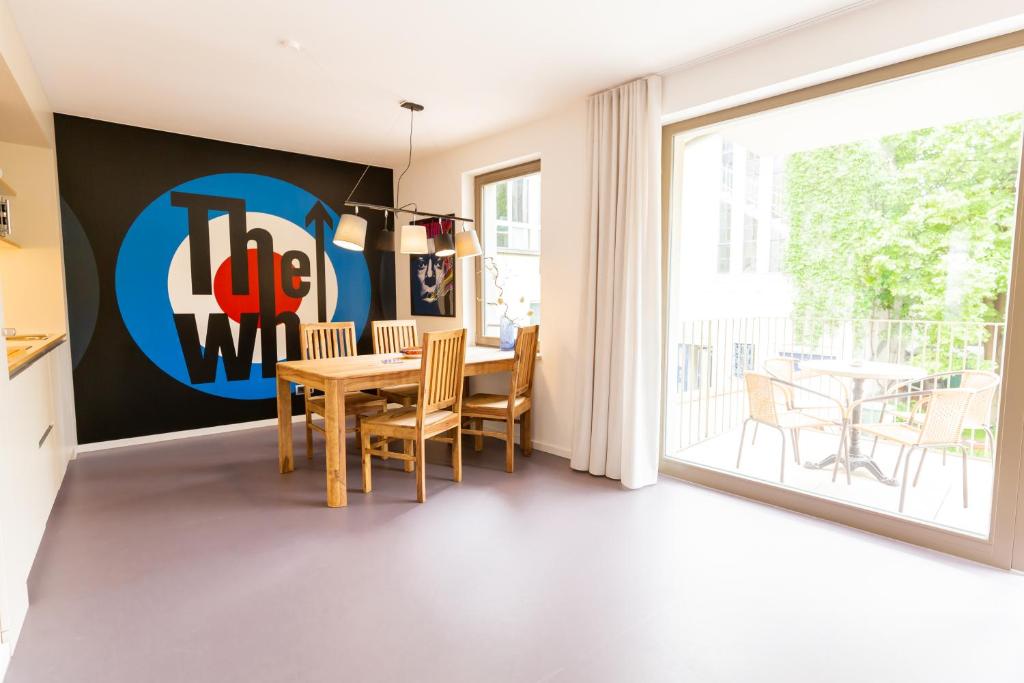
839,311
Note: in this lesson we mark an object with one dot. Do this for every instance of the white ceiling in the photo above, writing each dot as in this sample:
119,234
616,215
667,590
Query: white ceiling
215,68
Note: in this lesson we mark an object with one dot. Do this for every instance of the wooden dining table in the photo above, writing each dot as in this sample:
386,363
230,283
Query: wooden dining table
337,376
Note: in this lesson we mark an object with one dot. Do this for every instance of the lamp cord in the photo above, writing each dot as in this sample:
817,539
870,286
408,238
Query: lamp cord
398,185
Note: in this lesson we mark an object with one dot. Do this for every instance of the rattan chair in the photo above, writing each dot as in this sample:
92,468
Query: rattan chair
515,406
391,336
936,420
769,398
438,409
332,340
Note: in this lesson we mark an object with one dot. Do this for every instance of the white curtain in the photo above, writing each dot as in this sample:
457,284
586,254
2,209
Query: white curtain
618,406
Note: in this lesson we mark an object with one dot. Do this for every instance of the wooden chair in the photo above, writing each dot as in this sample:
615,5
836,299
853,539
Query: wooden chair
510,408
438,409
333,340
391,336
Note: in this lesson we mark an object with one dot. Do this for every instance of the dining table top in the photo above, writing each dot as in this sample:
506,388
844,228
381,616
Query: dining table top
377,364
864,369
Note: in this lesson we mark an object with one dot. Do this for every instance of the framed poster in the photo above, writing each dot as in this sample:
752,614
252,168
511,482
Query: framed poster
432,278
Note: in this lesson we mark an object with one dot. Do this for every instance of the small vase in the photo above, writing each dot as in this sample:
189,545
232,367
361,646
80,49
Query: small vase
507,338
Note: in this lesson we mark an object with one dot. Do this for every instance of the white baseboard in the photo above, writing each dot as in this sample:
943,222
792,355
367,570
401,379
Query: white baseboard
560,451
184,434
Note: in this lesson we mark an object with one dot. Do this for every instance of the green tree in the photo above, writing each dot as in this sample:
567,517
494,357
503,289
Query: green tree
913,226
916,225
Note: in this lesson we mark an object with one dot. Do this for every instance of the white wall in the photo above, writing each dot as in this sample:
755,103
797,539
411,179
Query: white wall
444,182
875,35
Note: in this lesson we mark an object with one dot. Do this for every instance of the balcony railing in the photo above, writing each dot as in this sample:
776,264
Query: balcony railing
707,396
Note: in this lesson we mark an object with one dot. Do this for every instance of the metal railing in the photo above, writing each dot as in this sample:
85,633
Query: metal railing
707,399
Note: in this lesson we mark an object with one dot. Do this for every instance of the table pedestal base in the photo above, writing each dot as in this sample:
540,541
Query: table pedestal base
856,461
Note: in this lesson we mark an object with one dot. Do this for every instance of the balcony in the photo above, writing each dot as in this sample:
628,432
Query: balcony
708,404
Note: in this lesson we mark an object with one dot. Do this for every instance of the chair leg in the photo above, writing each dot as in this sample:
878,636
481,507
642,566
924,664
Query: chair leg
839,455
526,432
364,438
407,465
920,464
753,439
906,470
457,454
743,434
510,445
899,459
794,434
478,439
991,439
309,438
421,469
963,454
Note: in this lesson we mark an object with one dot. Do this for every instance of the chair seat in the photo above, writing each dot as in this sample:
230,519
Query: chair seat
892,431
356,403
406,417
496,404
796,419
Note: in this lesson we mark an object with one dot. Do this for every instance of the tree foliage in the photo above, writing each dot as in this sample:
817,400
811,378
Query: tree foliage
914,226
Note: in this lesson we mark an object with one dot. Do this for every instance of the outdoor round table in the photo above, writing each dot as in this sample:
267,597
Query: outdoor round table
859,371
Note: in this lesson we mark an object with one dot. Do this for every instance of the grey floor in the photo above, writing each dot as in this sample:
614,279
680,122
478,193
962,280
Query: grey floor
194,560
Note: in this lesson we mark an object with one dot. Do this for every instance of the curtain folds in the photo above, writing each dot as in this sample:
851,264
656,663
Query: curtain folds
618,406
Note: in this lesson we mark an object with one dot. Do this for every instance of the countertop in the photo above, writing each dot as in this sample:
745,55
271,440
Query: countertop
23,350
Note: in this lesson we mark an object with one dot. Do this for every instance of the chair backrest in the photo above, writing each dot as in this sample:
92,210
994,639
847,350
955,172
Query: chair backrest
781,368
761,396
944,413
443,369
391,336
327,340
525,361
985,384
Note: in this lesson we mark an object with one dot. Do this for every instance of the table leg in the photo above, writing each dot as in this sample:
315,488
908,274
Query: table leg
856,458
285,456
334,423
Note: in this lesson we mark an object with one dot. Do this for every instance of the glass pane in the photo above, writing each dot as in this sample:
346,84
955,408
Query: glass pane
875,245
511,244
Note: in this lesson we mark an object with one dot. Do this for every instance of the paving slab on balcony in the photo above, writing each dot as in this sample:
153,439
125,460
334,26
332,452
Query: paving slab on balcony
936,499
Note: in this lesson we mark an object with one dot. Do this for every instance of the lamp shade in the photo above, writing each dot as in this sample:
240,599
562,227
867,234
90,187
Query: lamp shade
467,244
414,240
351,232
386,241
443,245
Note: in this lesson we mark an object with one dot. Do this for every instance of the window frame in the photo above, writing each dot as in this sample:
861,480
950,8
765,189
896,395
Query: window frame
1004,547
479,182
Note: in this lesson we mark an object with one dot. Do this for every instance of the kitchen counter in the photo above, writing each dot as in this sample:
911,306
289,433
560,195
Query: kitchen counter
23,350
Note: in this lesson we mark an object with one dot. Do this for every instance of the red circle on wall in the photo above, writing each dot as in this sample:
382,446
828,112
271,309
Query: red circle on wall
237,304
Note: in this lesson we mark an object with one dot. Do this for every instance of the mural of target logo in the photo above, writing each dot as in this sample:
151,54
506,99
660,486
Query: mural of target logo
215,276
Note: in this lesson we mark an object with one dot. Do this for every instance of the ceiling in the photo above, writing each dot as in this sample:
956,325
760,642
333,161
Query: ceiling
217,68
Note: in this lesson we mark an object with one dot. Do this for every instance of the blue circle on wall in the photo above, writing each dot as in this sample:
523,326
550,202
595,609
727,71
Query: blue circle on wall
152,285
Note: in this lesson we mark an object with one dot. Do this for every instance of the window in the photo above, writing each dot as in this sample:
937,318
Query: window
890,241
694,369
726,166
508,221
724,237
749,244
742,358
753,184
